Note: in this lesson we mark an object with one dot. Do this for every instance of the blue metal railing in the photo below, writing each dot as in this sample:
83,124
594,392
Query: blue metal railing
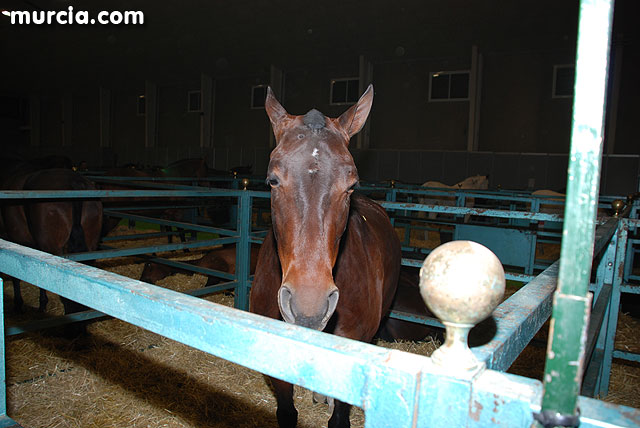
389,385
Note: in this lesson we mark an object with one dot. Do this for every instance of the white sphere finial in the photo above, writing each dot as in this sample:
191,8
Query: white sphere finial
461,282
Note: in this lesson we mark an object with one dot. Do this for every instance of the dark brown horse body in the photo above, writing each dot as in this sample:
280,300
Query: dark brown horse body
195,167
54,226
110,223
332,259
222,259
192,167
409,300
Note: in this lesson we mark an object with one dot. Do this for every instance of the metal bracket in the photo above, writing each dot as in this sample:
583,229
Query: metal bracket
550,419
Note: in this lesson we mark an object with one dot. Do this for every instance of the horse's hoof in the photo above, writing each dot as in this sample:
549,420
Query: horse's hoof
323,399
319,398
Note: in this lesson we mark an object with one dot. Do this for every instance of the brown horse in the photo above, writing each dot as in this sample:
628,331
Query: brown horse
407,299
222,259
192,167
54,226
332,259
110,223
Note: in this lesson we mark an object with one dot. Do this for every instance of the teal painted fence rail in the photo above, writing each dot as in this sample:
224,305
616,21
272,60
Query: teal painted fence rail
393,387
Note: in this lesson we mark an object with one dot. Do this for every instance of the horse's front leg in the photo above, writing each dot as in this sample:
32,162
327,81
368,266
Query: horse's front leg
43,300
340,416
287,414
17,296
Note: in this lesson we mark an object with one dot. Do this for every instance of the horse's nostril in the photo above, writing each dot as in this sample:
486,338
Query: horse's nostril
284,301
332,302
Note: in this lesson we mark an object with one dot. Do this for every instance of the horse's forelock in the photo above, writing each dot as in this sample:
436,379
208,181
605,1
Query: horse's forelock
314,119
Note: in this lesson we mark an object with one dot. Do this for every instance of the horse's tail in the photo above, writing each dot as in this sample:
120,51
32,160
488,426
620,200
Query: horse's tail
77,242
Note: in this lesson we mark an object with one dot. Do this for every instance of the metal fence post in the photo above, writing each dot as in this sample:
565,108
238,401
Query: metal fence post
3,378
391,196
243,257
614,307
565,352
5,421
592,376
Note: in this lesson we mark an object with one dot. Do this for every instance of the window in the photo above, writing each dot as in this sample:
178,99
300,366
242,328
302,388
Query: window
563,81
344,91
449,86
258,96
194,101
141,109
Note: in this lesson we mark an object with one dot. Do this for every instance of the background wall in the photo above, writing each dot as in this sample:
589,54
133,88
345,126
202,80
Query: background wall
50,100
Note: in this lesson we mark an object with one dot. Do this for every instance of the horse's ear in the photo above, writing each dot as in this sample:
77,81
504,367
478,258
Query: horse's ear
353,119
277,114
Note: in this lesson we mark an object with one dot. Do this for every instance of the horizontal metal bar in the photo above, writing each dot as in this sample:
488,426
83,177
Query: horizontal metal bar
624,355
192,267
237,180
521,277
228,333
259,234
187,191
597,317
122,252
139,236
37,325
509,196
149,182
211,289
443,209
105,178
418,319
518,319
163,222
60,320
7,422
417,250
630,288
88,194
412,262
156,207
603,236
387,383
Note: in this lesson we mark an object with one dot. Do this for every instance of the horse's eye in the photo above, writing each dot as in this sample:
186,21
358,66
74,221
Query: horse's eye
272,181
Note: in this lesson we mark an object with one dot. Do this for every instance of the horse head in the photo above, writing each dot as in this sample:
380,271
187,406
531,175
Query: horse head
312,176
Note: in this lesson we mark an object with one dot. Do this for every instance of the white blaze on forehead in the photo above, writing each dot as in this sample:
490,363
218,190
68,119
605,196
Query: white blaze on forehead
315,156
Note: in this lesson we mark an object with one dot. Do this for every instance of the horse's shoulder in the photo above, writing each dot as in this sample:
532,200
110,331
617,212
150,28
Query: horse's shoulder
366,214
362,204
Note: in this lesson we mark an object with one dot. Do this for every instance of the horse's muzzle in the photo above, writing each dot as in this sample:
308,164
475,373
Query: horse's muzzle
315,317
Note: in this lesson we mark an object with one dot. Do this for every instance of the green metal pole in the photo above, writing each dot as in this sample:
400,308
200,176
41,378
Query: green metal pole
571,307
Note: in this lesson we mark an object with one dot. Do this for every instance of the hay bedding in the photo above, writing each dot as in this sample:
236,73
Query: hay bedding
120,375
